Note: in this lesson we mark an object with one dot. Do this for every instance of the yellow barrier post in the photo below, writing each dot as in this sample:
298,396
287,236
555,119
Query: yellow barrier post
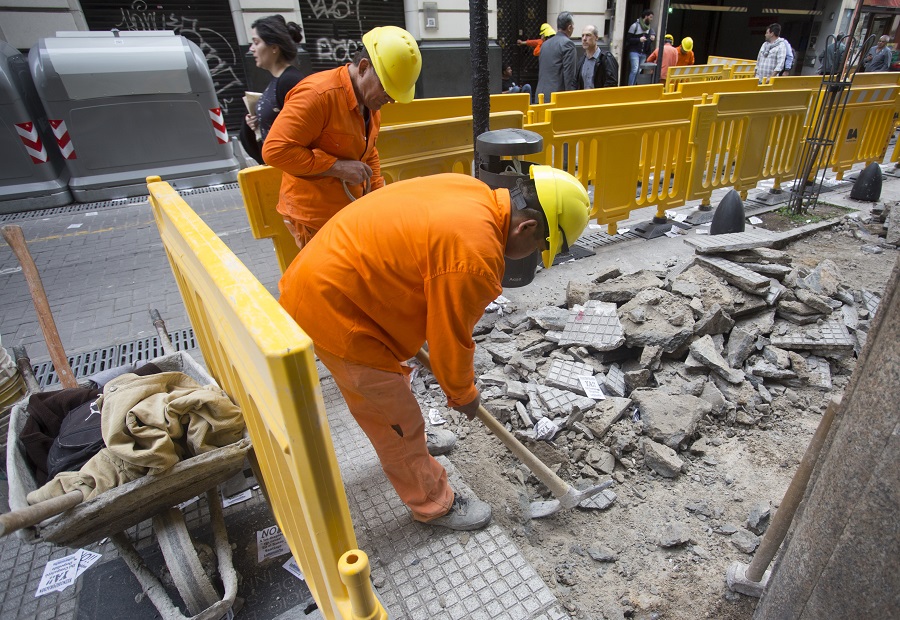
260,186
621,148
265,363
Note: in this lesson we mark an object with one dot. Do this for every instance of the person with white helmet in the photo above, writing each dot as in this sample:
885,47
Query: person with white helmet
685,52
417,261
324,139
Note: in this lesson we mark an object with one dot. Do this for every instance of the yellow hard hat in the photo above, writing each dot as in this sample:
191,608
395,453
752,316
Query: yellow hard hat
547,30
670,38
397,60
566,206
687,44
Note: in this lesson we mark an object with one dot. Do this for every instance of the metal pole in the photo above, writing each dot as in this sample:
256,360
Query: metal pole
481,97
661,41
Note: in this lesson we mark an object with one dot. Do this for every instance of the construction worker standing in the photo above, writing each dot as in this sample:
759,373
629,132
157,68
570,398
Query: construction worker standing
324,139
417,261
685,52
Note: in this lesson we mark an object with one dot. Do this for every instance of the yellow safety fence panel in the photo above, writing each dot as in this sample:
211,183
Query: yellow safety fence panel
635,154
595,96
726,60
795,82
879,78
743,69
865,128
421,149
439,108
742,138
260,186
265,363
696,90
695,73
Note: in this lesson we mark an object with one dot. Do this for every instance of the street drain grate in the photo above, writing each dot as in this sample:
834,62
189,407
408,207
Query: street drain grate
86,364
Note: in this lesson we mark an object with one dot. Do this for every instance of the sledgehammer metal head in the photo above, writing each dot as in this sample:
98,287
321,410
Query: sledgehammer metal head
570,499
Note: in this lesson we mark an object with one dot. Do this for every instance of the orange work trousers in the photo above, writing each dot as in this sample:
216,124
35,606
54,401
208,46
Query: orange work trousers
302,233
386,410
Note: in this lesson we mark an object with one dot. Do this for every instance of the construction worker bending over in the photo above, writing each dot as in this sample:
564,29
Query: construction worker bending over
324,139
417,261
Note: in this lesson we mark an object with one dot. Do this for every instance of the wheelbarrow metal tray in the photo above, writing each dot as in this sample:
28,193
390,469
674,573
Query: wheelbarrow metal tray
129,504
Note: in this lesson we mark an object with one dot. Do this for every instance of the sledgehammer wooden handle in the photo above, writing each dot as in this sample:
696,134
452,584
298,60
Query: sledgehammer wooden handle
16,240
16,520
543,473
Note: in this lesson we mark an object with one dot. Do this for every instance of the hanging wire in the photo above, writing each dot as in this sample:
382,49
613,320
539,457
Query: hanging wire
834,92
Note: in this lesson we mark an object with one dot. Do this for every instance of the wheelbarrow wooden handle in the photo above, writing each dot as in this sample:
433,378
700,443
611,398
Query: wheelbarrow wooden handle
543,473
16,520
16,240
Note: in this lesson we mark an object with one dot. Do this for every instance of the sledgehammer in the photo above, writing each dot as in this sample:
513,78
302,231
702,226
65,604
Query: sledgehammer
566,496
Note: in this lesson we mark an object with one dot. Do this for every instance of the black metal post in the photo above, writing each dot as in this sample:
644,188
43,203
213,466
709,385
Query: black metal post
481,77
661,41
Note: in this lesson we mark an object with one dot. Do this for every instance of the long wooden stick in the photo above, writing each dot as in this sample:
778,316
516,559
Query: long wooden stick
16,240
18,519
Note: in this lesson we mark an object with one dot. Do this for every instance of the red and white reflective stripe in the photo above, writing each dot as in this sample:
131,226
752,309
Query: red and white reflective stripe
32,141
218,123
62,138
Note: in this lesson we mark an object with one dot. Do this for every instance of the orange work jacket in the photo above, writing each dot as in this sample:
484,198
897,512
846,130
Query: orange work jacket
536,44
684,58
670,58
320,123
416,261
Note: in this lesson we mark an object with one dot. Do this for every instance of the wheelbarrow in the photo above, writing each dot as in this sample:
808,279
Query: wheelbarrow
69,521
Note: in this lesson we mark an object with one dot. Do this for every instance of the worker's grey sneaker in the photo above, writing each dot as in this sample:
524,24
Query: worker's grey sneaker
466,513
439,441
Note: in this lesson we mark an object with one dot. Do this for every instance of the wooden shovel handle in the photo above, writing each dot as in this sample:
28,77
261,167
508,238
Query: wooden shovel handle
16,240
543,473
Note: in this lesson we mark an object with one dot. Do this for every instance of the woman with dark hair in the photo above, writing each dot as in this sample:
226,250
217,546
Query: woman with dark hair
273,43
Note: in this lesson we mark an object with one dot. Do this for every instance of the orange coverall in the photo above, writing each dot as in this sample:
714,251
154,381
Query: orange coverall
684,58
418,260
536,44
320,123
670,59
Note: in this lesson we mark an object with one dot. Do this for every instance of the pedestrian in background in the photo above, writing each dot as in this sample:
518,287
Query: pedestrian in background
508,86
770,61
324,139
638,41
832,57
685,52
879,56
669,59
789,53
589,69
535,44
558,59
273,43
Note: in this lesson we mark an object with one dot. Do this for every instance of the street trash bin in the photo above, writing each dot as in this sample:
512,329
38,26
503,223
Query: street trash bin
32,173
646,74
503,173
124,106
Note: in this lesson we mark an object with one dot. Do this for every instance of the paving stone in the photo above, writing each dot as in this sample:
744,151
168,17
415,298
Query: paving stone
596,326
601,501
830,336
564,375
614,380
562,402
735,274
501,352
709,244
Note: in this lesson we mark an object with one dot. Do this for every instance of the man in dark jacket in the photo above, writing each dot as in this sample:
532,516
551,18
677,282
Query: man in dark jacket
558,59
591,71
638,42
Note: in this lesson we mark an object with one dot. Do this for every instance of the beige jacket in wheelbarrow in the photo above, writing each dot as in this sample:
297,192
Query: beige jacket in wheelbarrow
149,424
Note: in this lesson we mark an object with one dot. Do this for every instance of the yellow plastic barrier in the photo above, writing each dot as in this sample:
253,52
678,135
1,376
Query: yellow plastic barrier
420,149
618,147
695,73
439,108
865,128
742,138
727,60
537,113
879,78
260,186
743,69
265,363
795,82
695,90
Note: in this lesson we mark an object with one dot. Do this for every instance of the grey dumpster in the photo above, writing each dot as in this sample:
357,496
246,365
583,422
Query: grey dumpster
498,172
646,74
127,105
32,173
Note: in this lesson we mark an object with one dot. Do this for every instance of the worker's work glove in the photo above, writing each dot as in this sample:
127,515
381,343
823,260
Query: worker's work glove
471,408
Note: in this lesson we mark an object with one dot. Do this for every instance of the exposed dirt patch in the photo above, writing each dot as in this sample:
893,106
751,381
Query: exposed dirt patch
781,220
746,465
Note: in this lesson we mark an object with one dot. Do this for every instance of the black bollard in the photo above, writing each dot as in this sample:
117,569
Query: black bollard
868,185
729,215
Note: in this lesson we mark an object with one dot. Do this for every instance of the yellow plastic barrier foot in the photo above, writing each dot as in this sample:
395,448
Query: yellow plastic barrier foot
354,569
